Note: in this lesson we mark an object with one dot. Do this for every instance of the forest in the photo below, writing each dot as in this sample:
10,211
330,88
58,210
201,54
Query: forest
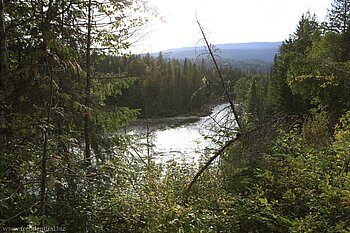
167,87
67,88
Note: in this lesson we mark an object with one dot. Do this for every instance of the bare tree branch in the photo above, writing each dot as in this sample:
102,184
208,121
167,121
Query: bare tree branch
207,164
238,136
220,75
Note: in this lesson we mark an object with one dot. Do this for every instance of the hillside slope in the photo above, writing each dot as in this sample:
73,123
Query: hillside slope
264,51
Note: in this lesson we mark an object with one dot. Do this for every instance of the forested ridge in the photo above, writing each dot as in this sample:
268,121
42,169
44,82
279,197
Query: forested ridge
164,87
67,88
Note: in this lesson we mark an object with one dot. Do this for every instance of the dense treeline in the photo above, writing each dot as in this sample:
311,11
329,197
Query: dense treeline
248,65
167,87
291,173
59,151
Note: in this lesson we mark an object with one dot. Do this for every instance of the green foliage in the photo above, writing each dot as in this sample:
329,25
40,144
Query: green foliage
251,92
46,107
320,79
282,98
311,70
167,87
295,187
315,130
291,175
342,142
288,172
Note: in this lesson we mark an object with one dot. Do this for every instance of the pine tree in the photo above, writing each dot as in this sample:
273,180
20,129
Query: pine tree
253,103
307,30
339,15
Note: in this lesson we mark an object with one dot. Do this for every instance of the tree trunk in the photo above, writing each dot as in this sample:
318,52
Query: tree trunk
3,70
88,91
45,27
345,16
45,157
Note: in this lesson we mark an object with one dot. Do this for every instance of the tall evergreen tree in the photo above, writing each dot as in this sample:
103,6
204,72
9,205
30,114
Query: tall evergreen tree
253,103
281,97
306,32
45,100
339,15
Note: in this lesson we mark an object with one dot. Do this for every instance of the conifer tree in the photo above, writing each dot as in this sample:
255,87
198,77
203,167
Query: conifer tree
253,103
339,16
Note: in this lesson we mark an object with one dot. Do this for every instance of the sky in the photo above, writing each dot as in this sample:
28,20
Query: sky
224,21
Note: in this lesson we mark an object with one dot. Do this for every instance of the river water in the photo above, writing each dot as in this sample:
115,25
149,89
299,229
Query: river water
183,139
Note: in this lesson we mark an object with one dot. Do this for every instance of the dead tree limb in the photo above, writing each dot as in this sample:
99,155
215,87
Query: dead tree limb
217,154
238,137
230,142
220,76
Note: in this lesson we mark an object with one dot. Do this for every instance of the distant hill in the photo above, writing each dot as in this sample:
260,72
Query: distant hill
264,51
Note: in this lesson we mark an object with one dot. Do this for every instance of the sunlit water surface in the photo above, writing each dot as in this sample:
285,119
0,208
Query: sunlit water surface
187,142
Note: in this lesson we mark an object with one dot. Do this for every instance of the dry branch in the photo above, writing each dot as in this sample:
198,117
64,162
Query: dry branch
217,154
220,75
230,142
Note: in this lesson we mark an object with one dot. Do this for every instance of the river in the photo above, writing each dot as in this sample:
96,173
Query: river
183,139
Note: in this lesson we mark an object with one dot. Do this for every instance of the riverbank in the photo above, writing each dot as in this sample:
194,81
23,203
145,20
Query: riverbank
182,138
165,121
173,121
